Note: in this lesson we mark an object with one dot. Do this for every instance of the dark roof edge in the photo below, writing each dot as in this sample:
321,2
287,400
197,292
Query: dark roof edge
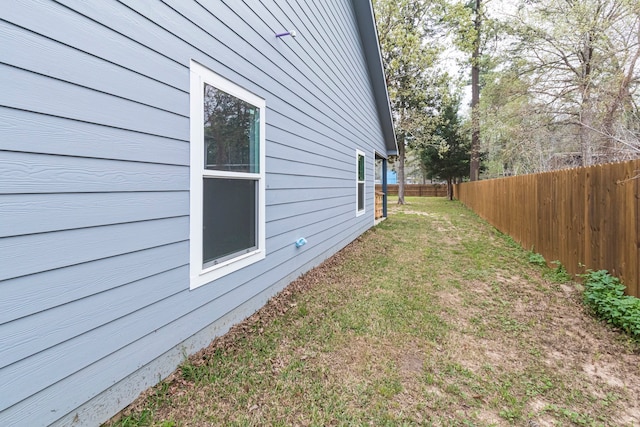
369,35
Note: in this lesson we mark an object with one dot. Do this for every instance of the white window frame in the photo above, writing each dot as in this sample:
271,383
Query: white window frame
197,274
375,156
364,187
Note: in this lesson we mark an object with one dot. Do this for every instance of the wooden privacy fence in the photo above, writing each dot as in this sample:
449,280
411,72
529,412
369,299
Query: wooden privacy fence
581,217
379,201
419,190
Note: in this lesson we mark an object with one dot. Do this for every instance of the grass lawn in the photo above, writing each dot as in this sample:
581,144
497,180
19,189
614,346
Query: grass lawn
431,318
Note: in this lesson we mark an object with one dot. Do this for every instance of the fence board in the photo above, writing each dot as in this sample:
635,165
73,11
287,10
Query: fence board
417,190
587,218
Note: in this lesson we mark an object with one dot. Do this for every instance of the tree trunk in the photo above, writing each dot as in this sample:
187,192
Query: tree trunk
622,100
474,172
586,107
585,134
450,188
400,169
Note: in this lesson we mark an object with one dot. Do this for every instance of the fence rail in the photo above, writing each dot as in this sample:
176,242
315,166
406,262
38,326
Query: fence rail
587,218
418,190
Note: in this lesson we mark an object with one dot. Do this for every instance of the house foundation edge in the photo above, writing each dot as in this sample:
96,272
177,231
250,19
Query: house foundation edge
116,398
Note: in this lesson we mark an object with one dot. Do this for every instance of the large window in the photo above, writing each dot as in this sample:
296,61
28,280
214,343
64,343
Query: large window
227,177
360,182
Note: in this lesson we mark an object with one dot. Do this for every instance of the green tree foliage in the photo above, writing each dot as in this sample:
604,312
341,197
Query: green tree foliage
406,29
573,71
519,135
560,79
472,31
447,157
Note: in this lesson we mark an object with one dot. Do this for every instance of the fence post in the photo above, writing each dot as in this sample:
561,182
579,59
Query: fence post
587,218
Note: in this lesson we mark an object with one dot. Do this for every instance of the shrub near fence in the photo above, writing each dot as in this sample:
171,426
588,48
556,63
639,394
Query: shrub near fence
585,217
419,190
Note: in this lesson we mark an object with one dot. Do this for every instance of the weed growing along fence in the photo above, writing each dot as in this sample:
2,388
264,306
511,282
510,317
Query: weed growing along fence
418,190
587,218
605,295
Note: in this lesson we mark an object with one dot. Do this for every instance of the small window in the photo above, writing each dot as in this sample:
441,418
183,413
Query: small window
360,182
227,177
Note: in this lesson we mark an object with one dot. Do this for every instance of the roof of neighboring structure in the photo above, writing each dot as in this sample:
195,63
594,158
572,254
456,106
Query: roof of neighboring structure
369,35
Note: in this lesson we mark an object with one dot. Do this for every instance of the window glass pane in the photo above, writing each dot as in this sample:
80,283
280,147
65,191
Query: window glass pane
378,171
360,196
231,132
229,218
360,167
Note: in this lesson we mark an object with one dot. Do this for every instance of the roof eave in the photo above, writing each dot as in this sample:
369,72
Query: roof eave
369,35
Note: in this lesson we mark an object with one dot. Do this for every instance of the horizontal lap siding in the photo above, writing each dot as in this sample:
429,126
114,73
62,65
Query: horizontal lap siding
39,133
94,177
23,214
28,173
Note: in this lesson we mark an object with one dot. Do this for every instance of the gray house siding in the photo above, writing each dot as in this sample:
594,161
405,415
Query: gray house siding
94,183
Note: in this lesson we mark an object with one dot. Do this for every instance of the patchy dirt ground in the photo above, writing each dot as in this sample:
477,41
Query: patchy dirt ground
549,334
432,318
520,320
